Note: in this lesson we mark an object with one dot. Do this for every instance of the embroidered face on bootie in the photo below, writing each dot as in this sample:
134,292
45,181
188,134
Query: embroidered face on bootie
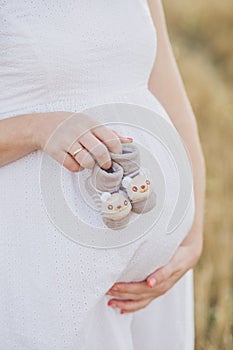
140,192
115,206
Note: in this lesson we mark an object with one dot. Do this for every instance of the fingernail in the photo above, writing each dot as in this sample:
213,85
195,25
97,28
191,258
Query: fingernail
122,312
112,305
151,282
130,139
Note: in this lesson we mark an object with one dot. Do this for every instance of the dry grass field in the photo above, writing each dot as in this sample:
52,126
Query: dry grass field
201,33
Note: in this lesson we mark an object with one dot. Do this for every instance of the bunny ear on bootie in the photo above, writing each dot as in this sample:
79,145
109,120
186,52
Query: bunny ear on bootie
105,196
126,181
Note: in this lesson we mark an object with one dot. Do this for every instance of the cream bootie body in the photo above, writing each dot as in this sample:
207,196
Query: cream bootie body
136,184
111,201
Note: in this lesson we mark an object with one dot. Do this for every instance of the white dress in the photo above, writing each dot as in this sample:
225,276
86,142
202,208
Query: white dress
69,55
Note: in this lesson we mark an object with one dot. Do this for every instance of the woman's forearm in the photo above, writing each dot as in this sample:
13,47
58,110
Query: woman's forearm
24,134
16,138
166,84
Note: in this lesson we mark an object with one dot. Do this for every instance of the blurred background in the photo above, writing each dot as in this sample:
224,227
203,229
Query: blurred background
201,33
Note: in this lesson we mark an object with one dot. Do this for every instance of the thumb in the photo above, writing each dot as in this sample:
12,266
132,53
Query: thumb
159,276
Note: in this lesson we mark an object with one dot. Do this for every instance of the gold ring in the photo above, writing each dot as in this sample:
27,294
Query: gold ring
77,151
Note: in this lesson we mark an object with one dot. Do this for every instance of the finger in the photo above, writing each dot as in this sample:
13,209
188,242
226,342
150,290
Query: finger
109,138
83,157
122,138
159,276
132,288
67,161
98,150
122,295
129,305
155,292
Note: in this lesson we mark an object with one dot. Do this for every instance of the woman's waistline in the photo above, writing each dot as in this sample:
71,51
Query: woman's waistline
75,103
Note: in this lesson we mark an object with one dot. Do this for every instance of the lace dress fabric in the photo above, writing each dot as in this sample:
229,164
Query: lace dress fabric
71,55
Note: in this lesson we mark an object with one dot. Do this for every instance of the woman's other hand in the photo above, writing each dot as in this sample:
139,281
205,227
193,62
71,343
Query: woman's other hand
137,295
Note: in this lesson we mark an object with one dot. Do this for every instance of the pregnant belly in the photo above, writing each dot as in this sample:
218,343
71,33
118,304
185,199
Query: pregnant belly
149,246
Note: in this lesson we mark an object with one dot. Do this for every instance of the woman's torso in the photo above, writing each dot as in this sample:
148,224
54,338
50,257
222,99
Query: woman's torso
67,55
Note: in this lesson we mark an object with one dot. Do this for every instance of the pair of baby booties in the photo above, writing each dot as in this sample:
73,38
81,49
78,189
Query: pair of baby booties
121,189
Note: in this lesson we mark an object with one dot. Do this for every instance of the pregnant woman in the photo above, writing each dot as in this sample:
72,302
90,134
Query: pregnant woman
59,58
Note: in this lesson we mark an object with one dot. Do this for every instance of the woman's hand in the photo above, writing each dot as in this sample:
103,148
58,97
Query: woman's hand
137,295
61,134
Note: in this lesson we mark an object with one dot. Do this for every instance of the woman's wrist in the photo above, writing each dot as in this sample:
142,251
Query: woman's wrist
31,131
194,240
40,127
16,138
36,122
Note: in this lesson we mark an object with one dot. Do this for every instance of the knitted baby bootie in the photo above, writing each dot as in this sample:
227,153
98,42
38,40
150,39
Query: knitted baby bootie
111,201
136,184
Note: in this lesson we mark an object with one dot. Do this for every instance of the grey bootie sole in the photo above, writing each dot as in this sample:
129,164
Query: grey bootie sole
116,224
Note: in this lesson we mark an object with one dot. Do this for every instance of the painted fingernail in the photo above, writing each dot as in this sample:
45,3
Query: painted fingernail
130,139
151,282
122,312
113,306
110,303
